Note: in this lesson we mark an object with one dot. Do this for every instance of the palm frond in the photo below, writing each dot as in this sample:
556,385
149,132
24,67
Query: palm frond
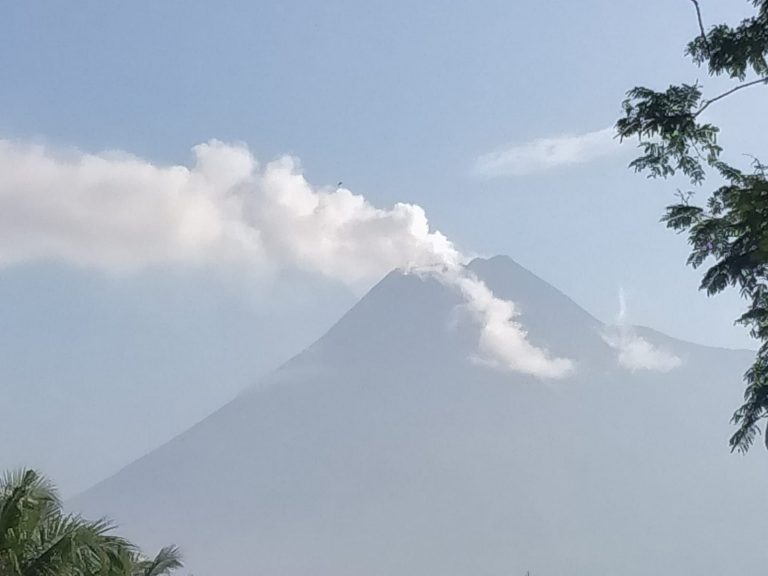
26,499
38,539
166,560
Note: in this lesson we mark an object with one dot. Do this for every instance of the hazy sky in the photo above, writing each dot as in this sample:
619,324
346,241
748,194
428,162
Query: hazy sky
491,116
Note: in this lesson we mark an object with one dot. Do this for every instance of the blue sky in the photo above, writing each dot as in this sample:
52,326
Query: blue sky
398,100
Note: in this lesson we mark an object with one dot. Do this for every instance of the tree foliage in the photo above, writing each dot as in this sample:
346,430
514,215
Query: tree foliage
729,231
38,539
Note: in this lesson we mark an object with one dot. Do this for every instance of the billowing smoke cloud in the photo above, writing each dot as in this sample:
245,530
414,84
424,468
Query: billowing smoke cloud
634,351
120,213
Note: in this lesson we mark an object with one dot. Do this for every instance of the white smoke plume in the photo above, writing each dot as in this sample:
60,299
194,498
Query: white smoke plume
503,340
634,351
119,213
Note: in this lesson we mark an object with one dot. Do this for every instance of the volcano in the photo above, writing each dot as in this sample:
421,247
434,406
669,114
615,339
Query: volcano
388,448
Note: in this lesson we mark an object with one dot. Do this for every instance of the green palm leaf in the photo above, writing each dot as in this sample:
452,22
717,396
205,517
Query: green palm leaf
38,539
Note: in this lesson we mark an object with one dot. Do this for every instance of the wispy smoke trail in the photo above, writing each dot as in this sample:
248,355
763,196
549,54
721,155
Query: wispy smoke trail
634,351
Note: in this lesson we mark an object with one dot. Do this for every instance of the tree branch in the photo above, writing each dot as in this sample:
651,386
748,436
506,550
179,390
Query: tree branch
707,103
701,25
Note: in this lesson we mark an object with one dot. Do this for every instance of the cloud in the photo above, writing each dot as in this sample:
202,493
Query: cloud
120,214
545,154
634,351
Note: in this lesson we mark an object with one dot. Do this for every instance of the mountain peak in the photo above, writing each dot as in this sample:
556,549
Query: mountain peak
414,319
417,314
497,260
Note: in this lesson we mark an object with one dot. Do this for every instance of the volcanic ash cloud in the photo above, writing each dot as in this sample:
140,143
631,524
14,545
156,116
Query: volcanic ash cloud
118,213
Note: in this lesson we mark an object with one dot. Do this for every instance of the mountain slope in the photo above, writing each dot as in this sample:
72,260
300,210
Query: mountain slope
385,449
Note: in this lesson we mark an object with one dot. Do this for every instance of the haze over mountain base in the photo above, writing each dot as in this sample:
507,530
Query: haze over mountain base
387,448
